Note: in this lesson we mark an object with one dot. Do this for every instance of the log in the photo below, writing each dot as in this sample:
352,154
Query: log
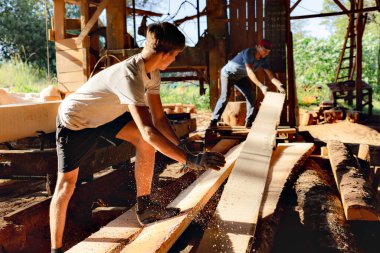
359,200
321,211
332,115
160,236
287,159
234,114
233,225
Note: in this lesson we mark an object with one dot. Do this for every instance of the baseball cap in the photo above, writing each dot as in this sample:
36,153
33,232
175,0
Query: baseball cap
266,44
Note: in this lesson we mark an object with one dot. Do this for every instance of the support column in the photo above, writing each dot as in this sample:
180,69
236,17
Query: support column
116,20
217,28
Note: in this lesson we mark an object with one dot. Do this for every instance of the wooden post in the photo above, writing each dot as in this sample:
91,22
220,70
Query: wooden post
217,28
292,95
116,20
84,17
59,19
260,36
359,54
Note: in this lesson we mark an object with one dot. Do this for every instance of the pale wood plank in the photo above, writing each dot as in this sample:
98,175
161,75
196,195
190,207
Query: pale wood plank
71,55
112,237
235,219
24,120
69,87
71,77
160,236
69,44
224,145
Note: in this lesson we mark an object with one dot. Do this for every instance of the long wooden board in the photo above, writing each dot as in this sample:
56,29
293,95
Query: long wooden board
285,163
234,223
160,236
113,237
24,120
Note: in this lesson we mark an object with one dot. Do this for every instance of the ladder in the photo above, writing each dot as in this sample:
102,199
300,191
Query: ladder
346,65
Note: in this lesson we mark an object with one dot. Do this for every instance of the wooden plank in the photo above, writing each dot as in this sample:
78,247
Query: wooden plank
112,237
69,87
69,44
160,236
71,55
224,145
91,22
66,65
24,120
184,127
359,199
72,24
286,160
76,76
234,223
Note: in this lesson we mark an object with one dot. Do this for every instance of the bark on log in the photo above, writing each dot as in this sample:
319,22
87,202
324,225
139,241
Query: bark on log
359,200
321,211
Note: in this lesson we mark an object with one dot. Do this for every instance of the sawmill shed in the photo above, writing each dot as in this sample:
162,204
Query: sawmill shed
286,187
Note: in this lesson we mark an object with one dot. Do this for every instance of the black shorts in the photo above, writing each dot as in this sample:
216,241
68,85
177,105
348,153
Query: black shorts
74,146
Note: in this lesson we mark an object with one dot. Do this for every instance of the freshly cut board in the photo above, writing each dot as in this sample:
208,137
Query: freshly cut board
235,219
160,236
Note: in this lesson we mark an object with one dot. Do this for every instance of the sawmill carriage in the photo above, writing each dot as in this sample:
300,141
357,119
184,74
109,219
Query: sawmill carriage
84,46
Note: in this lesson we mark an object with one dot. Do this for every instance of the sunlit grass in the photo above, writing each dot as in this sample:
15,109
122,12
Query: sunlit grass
185,93
19,76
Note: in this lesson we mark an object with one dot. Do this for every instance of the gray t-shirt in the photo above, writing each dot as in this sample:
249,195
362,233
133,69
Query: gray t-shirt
236,66
106,96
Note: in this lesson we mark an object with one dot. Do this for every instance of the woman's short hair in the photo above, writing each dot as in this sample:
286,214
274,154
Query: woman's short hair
164,37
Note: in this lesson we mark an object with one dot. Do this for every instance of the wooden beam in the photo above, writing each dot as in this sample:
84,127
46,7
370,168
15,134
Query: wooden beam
234,222
116,22
294,6
286,161
59,19
91,22
180,21
361,10
341,6
359,199
143,12
160,236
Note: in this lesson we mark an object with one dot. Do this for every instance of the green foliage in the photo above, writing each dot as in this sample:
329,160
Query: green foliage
185,93
19,76
23,32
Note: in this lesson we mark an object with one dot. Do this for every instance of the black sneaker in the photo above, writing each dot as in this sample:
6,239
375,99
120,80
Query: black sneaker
248,124
155,212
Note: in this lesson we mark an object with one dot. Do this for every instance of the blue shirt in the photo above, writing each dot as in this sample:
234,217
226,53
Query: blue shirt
237,65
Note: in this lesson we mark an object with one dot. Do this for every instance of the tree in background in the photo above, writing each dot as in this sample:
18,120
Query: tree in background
22,31
316,59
